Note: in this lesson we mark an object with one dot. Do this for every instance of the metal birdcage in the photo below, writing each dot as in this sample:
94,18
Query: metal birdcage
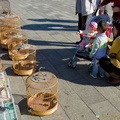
42,93
5,7
24,59
13,43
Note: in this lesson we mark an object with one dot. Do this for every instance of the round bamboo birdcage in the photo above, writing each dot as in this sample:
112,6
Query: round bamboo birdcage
42,93
5,38
24,60
10,24
5,7
16,40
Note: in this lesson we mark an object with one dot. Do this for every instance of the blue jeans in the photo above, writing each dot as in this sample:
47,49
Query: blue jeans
97,68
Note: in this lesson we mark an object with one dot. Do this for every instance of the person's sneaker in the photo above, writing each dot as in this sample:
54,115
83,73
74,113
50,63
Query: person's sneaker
94,76
102,76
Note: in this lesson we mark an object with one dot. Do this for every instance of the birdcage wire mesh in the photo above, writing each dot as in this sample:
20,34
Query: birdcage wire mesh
25,59
42,93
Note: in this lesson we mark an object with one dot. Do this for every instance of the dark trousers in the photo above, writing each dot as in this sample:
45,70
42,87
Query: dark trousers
108,66
81,21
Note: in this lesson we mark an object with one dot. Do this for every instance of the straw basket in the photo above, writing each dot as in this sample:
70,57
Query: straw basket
42,93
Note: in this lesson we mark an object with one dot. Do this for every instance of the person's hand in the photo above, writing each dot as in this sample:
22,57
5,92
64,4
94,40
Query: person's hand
77,33
99,6
112,55
116,9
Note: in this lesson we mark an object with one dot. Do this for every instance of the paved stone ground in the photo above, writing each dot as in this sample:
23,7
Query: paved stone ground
51,26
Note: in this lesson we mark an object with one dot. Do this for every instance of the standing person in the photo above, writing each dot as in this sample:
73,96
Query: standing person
99,49
83,9
112,64
115,8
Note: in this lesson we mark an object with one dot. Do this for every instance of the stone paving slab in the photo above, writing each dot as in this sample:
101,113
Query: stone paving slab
51,26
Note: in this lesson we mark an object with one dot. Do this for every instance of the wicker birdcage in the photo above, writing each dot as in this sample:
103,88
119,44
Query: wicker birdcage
9,25
5,7
14,42
42,93
5,38
24,59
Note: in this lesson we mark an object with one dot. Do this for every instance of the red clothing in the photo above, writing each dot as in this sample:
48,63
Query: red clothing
116,15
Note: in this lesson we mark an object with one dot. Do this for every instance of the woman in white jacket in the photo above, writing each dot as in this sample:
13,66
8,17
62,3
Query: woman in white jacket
83,9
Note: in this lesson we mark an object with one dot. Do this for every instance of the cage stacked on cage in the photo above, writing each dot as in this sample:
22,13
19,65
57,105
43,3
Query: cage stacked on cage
15,41
42,93
26,65
5,7
10,25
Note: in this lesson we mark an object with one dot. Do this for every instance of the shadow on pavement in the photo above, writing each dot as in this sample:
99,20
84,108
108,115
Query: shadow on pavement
56,61
54,20
53,25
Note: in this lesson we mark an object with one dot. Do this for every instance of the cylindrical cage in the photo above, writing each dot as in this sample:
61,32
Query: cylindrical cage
24,59
5,7
15,41
9,25
42,93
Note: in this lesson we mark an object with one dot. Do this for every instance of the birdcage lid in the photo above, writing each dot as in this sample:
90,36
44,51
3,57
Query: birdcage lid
16,36
41,77
24,46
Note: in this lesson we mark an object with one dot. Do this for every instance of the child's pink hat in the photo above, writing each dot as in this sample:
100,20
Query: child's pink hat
93,25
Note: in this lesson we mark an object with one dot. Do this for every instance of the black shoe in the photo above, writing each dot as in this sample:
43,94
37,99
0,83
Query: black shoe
77,42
